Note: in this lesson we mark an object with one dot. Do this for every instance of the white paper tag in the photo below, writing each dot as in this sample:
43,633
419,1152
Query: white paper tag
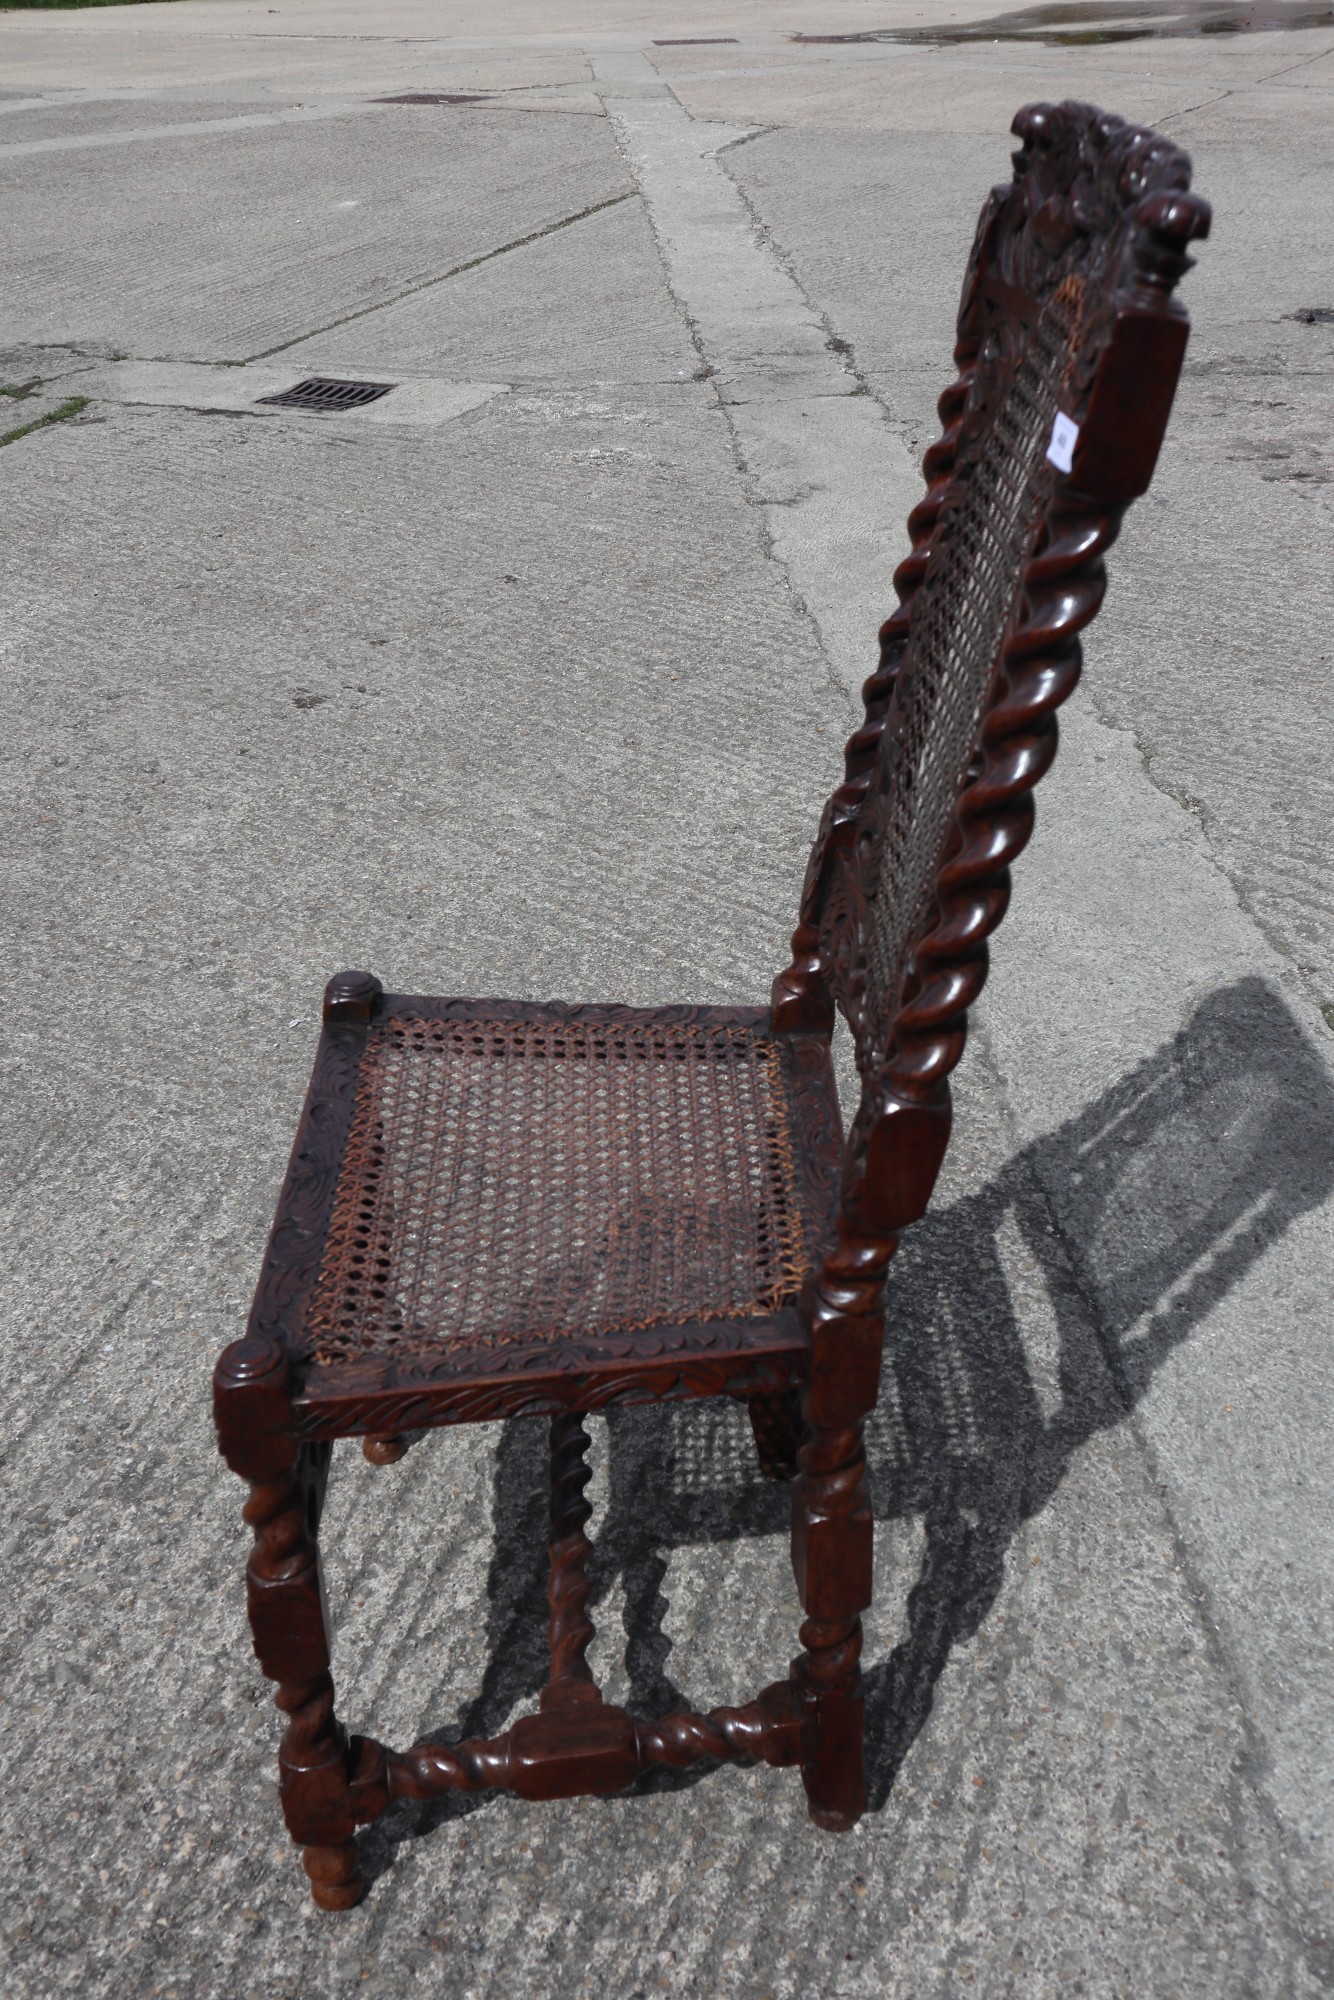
1064,438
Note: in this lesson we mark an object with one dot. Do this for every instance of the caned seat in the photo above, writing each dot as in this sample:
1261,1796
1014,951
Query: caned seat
520,1182
496,1209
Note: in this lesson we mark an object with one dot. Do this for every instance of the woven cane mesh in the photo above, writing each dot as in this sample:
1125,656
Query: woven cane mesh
505,1181
959,623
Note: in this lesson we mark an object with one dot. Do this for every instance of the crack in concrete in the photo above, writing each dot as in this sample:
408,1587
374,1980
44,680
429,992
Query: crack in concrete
746,139
456,271
1196,809
1289,69
754,498
71,407
1206,103
1186,111
839,344
199,128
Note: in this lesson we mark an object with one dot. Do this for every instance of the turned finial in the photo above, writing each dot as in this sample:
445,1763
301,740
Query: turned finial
1165,224
351,997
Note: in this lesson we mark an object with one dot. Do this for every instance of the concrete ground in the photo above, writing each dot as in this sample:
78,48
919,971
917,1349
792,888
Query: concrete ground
529,679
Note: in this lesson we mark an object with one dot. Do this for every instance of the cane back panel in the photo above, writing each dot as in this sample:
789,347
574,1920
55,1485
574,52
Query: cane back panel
1069,341
989,523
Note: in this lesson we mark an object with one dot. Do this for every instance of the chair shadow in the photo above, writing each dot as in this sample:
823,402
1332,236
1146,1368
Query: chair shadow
1133,1219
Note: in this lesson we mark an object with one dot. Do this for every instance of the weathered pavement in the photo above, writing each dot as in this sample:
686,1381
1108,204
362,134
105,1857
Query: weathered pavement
529,679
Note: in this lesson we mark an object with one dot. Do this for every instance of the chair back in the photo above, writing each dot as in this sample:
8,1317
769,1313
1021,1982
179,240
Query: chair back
1069,346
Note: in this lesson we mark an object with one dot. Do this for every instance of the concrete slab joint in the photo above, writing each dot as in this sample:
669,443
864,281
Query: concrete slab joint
833,483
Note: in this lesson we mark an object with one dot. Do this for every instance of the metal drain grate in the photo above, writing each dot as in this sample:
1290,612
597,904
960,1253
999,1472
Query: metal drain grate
433,97
323,392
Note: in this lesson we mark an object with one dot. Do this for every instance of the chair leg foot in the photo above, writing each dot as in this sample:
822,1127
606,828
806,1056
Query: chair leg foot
832,1549
834,1773
383,1450
336,1881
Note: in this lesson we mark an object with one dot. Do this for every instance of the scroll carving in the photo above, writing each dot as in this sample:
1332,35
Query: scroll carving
672,1379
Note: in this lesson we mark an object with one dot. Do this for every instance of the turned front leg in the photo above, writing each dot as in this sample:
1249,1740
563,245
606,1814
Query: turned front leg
288,1612
290,1622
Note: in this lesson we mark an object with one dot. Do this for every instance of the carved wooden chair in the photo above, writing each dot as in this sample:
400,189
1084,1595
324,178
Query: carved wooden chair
498,1209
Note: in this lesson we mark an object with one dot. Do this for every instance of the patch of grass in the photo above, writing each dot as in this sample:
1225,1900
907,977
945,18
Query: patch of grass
1327,1009
15,6
69,408
26,6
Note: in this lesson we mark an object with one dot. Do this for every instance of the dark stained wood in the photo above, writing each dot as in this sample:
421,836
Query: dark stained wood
663,1364
383,1450
570,1631
568,1751
381,1398
588,1748
775,1421
1072,272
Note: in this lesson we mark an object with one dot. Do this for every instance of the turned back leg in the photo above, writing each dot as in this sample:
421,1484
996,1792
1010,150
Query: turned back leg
832,1543
833,1527
775,1420
570,1629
